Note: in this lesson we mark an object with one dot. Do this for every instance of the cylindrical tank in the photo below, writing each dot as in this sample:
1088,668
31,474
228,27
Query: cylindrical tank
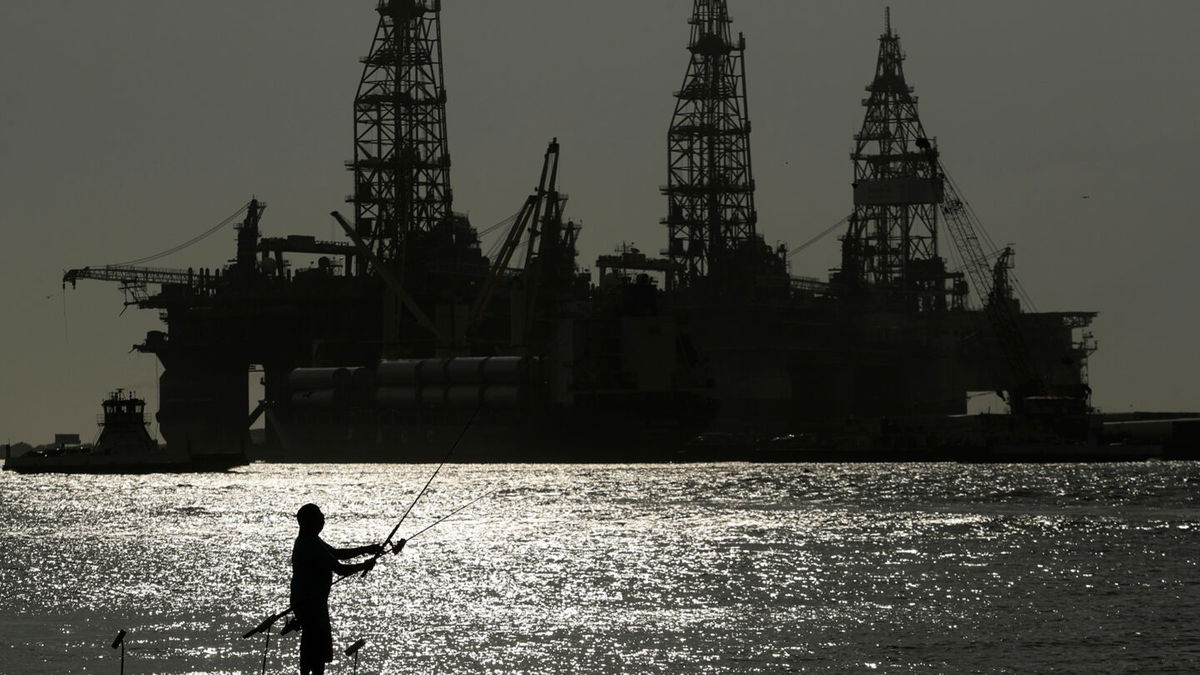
463,396
362,379
1145,431
502,396
302,379
406,372
465,370
503,369
320,398
362,384
398,397
433,396
433,371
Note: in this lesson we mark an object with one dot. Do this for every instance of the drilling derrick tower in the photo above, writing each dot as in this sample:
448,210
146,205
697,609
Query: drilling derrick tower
401,160
711,217
892,241
402,198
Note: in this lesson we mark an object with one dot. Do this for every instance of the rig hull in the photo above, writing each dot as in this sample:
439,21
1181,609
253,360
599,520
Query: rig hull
646,429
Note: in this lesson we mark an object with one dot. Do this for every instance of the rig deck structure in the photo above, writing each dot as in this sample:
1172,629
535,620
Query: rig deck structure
406,333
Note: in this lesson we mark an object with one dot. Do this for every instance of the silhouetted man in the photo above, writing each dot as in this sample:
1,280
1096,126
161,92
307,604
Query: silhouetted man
313,565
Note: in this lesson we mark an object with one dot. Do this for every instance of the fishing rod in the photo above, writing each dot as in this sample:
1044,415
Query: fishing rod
270,621
266,652
453,447
267,623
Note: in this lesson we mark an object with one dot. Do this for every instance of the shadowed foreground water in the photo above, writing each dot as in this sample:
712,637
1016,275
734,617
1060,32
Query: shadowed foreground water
620,569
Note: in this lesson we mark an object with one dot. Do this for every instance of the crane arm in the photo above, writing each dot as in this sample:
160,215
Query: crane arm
129,275
133,279
1001,314
529,218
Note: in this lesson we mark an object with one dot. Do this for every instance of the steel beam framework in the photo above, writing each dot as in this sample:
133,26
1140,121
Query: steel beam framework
892,240
129,275
711,188
401,159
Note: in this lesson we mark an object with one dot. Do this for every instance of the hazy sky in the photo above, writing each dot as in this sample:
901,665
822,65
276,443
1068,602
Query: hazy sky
128,126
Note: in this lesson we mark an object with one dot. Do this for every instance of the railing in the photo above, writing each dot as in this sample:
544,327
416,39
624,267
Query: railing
809,284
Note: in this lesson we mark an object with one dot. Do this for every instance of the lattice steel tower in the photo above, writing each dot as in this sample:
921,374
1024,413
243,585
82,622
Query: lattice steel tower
892,240
401,159
710,190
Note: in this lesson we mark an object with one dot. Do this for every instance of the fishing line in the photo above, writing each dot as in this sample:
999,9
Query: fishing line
420,494
270,620
455,511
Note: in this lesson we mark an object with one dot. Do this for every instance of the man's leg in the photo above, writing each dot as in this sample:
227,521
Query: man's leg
316,637
309,664
316,643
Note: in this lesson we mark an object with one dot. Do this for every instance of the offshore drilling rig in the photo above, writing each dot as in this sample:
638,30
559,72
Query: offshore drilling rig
408,333
892,335
893,263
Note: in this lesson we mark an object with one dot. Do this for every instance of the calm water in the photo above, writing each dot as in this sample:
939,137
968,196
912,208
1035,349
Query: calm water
732,568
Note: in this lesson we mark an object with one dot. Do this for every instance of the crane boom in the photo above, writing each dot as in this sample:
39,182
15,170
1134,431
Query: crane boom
127,274
528,219
1002,315
133,279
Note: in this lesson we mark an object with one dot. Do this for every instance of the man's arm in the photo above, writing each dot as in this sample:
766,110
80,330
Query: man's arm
326,557
355,551
343,570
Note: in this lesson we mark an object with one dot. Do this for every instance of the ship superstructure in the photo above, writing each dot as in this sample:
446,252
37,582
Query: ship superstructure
123,446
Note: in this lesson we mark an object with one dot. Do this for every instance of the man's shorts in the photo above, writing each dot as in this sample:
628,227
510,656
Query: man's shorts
316,635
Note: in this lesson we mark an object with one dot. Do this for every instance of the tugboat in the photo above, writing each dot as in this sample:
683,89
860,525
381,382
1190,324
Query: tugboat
124,446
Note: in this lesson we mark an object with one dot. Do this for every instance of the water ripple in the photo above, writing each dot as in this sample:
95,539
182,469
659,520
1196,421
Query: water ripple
733,568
